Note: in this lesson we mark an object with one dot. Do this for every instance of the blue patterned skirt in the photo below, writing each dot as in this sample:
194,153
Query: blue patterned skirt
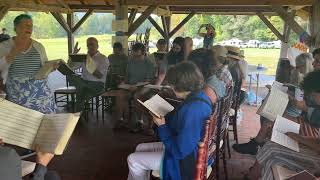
31,93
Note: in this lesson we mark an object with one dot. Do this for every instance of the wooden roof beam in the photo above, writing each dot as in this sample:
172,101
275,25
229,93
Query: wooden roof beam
284,15
132,16
156,25
61,20
218,2
181,24
3,11
141,19
31,6
82,20
165,26
62,3
271,27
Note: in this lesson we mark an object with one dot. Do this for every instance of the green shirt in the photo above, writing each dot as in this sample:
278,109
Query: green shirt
140,71
118,64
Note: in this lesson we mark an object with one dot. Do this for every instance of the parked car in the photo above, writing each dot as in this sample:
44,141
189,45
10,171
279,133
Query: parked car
243,45
277,44
266,45
253,43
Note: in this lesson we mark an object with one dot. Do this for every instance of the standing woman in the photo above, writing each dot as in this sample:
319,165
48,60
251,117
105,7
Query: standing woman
176,54
209,36
22,57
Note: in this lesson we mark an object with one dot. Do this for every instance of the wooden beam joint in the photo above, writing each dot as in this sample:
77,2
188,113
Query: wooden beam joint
82,20
181,24
271,27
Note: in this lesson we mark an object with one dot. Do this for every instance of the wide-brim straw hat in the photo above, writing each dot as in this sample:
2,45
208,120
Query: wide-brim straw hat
233,52
219,51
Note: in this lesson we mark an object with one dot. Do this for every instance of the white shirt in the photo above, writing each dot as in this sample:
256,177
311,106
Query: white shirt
102,64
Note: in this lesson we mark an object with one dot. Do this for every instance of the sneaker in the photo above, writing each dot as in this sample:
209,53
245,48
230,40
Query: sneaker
250,147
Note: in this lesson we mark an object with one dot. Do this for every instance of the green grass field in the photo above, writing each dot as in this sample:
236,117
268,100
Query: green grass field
58,48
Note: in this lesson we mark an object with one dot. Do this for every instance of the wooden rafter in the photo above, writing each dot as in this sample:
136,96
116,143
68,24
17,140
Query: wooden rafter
271,27
70,23
62,3
141,19
156,25
82,20
31,6
219,2
290,19
132,16
3,11
61,20
181,24
165,26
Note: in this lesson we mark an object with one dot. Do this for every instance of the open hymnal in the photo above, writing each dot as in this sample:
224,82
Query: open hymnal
129,86
157,106
281,173
26,128
157,87
46,69
274,104
282,126
280,86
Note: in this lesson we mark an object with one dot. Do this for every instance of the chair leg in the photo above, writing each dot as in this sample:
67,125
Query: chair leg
73,103
102,109
234,124
228,145
217,163
224,162
92,104
97,108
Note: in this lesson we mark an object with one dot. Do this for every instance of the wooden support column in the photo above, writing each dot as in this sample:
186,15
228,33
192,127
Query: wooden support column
82,20
3,11
284,15
158,28
121,13
132,16
271,27
181,24
284,44
315,25
134,26
70,22
166,23
165,27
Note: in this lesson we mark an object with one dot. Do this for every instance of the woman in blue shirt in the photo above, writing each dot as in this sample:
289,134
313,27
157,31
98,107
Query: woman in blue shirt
179,132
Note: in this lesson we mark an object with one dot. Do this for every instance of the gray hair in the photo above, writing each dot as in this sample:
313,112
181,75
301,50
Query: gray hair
305,59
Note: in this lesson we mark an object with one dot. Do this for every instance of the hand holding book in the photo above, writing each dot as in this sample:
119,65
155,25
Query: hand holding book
159,121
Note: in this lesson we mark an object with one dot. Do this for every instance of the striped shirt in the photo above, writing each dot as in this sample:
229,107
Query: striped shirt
25,64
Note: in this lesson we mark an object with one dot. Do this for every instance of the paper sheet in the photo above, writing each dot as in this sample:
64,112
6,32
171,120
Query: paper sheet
120,25
90,65
46,69
19,125
282,126
27,167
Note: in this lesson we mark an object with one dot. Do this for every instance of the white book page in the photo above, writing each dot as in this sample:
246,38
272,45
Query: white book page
282,126
52,130
18,125
275,104
27,167
279,86
158,106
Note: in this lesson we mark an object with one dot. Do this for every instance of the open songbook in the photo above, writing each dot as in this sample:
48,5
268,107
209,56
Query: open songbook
157,106
26,128
46,69
281,173
274,104
282,126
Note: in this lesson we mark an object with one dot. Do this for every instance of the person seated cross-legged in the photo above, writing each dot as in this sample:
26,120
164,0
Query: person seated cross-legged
179,131
91,83
139,70
308,157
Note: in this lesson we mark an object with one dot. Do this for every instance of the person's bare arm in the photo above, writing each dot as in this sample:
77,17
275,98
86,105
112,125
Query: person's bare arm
310,142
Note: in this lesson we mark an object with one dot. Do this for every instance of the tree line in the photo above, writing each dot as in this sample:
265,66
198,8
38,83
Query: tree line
227,27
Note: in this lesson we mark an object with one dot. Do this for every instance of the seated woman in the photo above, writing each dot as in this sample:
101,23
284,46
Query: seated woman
208,65
179,132
292,112
308,158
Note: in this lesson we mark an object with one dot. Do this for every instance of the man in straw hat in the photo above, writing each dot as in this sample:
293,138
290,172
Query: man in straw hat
223,72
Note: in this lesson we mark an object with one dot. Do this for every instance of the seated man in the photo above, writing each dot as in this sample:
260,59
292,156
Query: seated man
308,158
139,69
91,83
10,165
118,65
266,126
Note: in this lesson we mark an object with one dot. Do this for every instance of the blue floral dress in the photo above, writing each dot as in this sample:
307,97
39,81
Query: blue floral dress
23,89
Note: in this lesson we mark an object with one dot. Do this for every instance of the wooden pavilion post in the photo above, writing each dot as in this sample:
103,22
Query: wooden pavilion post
166,23
70,22
121,13
314,23
284,44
